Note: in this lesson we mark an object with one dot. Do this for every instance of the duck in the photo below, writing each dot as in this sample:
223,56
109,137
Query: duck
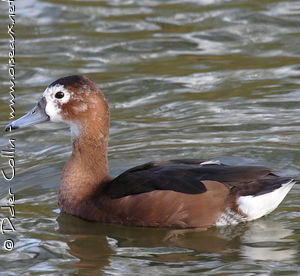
179,193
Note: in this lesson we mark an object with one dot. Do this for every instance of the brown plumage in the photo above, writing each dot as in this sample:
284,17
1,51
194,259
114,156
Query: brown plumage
176,193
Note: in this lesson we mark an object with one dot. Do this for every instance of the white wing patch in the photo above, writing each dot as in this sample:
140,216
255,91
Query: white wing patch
211,162
257,206
254,207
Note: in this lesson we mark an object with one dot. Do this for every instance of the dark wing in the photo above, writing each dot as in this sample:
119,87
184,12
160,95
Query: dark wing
186,176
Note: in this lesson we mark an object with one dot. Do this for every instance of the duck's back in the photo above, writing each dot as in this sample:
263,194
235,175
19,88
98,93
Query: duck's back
192,193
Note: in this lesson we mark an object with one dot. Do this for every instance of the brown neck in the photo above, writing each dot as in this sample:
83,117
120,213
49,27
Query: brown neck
86,171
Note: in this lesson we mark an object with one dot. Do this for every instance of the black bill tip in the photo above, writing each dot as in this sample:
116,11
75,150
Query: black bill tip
11,127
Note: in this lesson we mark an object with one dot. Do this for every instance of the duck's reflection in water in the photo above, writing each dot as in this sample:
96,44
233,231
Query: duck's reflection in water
268,240
99,245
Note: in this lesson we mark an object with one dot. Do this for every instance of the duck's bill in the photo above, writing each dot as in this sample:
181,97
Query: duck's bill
35,116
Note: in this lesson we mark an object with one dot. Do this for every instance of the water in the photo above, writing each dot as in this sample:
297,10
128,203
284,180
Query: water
184,79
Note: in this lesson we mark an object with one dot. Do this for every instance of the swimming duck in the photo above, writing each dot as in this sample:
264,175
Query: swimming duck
177,193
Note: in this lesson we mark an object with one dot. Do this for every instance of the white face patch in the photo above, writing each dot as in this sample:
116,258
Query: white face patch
53,109
75,131
83,107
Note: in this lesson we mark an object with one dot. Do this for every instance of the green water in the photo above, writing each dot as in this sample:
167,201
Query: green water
184,79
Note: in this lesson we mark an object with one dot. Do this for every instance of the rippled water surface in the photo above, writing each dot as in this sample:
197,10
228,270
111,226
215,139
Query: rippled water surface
184,79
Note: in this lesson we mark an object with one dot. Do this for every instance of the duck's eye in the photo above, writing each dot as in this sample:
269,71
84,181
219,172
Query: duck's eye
59,95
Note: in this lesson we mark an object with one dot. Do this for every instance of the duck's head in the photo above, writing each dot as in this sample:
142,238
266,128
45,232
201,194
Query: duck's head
74,99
